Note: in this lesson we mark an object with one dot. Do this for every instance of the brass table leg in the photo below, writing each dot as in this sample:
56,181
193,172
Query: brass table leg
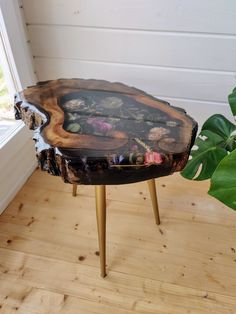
153,194
74,191
100,192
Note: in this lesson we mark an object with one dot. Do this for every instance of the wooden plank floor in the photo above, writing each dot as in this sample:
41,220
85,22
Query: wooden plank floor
49,259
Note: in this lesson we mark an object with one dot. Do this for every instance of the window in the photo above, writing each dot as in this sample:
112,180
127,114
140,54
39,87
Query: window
6,111
8,86
16,70
17,156
7,90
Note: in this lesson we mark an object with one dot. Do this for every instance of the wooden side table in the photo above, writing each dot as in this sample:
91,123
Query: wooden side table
100,133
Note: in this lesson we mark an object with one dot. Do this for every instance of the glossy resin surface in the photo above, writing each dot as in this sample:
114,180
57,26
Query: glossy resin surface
97,132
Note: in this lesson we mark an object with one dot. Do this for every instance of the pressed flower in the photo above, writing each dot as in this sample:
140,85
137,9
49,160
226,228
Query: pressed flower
74,104
171,123
113,159
73,127
99,125
111,102
153,158
72,116
155,134
168,140
134,148
139,159
121,158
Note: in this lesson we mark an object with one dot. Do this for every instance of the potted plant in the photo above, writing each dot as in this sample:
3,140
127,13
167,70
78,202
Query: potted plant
213,156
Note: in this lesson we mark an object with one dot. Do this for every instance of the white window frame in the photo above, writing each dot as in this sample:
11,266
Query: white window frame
11,78
18,144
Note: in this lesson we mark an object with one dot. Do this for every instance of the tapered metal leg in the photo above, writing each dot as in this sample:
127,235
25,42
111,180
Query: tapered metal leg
100,191
74,191
153,194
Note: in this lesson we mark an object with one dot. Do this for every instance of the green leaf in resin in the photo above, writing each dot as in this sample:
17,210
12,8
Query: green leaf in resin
73,127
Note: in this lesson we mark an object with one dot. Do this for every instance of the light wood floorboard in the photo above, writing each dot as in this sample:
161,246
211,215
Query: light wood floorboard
49,259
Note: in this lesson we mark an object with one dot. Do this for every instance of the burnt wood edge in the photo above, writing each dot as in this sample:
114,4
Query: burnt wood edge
51,159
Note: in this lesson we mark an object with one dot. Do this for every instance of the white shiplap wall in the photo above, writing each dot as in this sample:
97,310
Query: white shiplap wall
179,50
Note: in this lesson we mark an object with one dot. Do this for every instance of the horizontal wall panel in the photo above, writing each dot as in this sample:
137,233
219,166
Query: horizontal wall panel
149,48
180,50
178,83
215,16
201,110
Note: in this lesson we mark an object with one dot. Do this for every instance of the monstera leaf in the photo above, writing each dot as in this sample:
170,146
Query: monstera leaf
211,146
205,156
232,102
221,126
223,181
214,156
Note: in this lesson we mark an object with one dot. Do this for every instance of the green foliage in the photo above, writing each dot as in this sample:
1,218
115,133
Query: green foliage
232,102
6,111
214,156
3,88
223,181
205,156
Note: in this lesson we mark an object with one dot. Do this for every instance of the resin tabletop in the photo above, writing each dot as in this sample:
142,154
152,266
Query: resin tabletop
97,132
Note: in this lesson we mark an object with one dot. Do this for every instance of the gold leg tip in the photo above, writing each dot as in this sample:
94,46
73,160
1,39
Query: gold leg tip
103,275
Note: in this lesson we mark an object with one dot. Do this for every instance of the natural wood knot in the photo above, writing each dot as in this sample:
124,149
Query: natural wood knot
65,297
81,258
161,232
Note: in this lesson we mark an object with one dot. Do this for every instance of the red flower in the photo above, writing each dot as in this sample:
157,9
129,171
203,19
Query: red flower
153,158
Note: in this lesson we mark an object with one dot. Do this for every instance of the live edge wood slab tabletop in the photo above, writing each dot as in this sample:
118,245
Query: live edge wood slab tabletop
101,133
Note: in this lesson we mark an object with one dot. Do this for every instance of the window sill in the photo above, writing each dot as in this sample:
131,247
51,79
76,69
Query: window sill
9,128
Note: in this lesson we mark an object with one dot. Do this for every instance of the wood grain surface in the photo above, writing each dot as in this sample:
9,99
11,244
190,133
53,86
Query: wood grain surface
49,251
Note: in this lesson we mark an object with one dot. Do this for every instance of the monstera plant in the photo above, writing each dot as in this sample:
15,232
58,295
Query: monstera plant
213,156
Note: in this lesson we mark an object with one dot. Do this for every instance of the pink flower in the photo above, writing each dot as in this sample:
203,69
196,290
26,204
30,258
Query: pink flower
134,148
153,158
99,125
